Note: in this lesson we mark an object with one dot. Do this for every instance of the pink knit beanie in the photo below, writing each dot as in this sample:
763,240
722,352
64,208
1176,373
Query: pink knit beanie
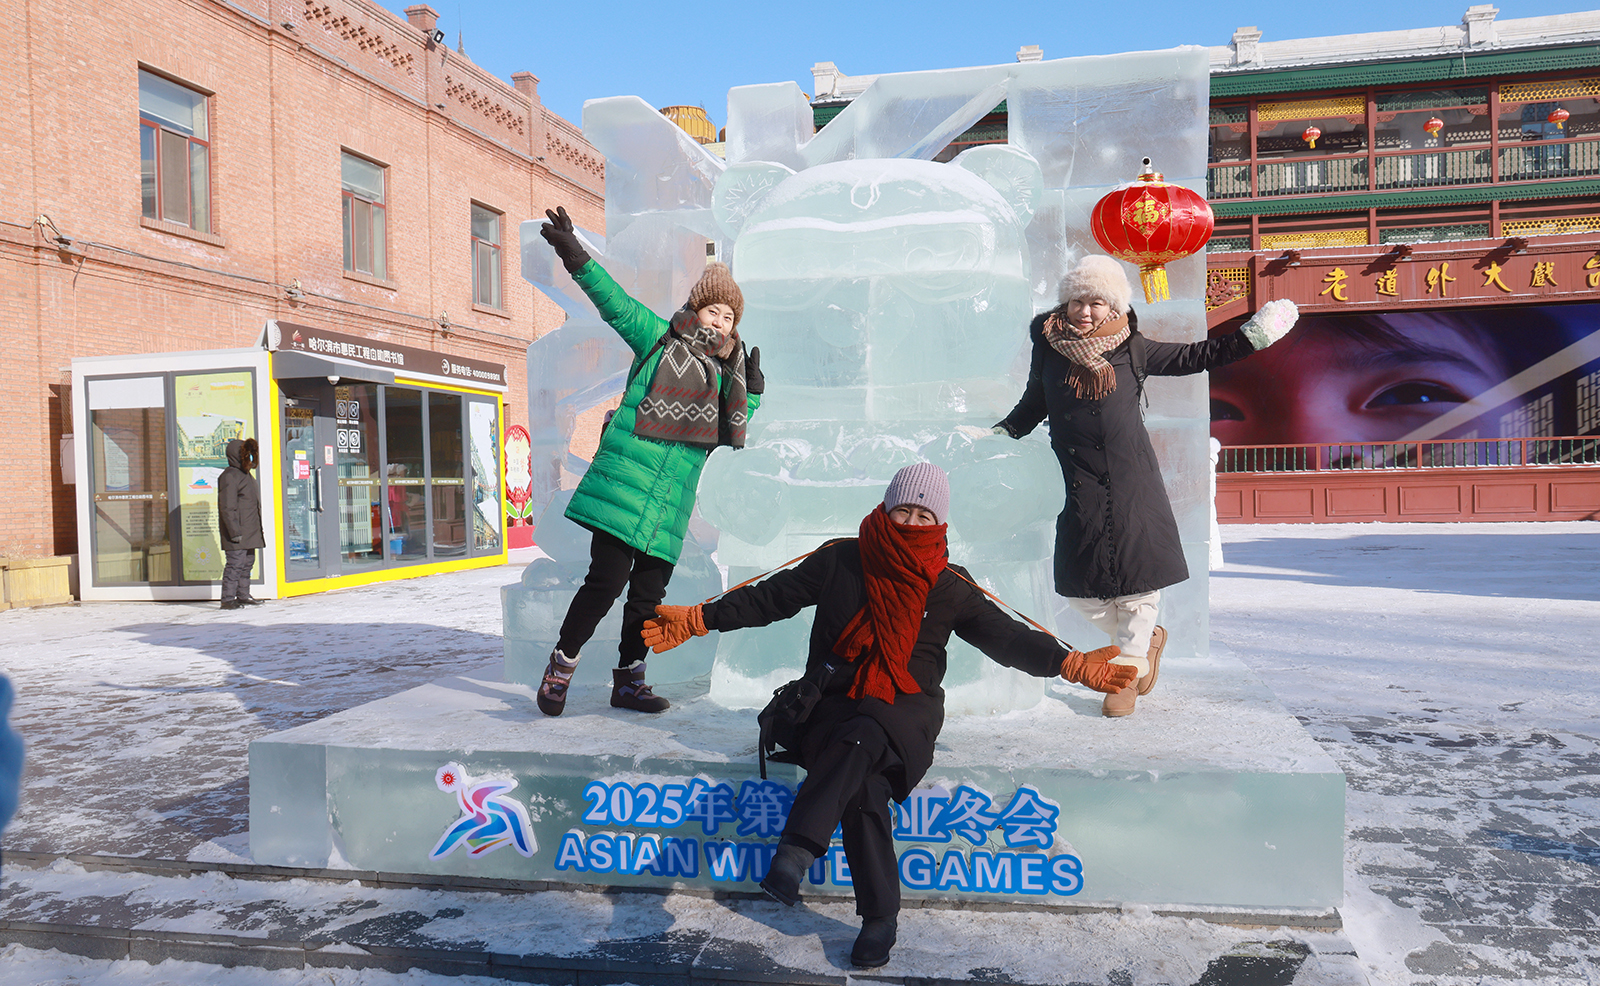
924,485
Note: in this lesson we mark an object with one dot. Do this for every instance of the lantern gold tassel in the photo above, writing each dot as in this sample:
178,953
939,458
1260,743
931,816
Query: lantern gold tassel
1153,278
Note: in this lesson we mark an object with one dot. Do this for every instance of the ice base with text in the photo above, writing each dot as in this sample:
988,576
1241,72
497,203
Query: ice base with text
1211,796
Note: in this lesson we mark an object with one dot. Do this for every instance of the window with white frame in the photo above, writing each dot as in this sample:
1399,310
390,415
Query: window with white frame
174,152
365,230
485,256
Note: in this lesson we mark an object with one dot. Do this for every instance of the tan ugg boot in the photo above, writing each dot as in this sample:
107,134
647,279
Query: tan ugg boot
1158,640
1119,704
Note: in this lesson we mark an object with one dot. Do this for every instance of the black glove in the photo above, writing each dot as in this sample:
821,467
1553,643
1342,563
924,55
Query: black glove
755,382
558,233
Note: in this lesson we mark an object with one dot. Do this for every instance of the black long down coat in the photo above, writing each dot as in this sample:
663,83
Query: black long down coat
831,580
1116,535
239,501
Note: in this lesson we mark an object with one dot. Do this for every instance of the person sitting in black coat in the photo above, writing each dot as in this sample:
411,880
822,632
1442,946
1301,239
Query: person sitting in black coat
1117,543
887,603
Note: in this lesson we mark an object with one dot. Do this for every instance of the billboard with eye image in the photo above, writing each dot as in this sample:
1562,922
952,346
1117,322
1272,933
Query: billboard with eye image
1491,372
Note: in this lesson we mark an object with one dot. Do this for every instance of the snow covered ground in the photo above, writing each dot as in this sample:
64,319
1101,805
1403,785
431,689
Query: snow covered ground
1447,668
1450,670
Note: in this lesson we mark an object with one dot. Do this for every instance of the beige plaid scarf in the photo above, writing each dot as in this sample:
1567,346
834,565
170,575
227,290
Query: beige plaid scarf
1091,376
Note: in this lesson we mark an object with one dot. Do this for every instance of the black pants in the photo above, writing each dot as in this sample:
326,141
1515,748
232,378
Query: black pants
236,573
613,566
846,766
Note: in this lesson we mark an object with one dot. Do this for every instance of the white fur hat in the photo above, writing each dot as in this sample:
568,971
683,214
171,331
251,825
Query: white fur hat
1098,277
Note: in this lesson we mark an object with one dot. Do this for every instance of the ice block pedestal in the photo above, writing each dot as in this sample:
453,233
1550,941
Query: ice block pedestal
1210,796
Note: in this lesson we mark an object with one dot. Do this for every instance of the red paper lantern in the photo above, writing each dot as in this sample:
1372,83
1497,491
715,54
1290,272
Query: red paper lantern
1152,223
1433,126
1311,135
1558,116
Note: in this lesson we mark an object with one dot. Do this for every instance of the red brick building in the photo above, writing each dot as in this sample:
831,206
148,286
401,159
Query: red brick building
178,174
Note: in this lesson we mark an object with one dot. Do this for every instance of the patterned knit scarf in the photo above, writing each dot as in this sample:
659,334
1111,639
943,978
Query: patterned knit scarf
683,402
901,563
1091,376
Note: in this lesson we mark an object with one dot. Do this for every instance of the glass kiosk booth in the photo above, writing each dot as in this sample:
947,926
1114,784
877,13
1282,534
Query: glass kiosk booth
378,461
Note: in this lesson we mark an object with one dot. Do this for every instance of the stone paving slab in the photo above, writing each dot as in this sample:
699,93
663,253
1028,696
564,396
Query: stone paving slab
281,921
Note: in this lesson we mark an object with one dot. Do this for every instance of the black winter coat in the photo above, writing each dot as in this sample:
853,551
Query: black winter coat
831,580
1116,535
239,504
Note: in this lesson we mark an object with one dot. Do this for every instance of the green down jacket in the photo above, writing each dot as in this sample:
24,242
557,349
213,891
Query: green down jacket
640,490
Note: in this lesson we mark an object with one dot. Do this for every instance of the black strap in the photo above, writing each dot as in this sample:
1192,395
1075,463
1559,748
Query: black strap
634,370
1139,358
1025,617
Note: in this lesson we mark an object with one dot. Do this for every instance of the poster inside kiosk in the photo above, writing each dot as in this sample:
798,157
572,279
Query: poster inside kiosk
212,409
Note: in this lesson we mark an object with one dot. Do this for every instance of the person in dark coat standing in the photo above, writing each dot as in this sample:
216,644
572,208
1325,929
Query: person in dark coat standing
887,603
239,522
1117,543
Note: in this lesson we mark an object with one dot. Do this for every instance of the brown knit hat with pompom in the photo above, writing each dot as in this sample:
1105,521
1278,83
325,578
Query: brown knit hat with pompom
716,287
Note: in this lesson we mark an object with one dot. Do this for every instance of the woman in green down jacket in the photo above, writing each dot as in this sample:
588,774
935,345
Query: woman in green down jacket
692,388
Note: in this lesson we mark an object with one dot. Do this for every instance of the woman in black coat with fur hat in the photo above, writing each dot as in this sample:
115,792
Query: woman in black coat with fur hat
1117,542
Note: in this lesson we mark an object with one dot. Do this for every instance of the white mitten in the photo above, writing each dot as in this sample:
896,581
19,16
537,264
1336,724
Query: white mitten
974,432
1271,323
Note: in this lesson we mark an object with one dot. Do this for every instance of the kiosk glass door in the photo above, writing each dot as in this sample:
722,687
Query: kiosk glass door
361,520
310,484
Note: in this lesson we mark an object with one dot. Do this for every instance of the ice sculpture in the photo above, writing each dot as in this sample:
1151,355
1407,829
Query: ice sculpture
890,297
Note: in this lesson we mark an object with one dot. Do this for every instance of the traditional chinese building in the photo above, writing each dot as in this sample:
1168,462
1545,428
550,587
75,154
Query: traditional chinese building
287,219
1430,199
1438,188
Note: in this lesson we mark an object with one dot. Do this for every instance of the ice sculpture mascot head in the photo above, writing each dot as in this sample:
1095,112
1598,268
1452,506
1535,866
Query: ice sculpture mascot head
923,266
890,291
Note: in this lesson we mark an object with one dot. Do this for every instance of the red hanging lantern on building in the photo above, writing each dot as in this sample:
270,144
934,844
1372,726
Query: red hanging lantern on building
1152,223
1311,134
1433,126
1558,116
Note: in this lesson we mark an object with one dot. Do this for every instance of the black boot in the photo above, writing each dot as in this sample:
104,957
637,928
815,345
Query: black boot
873,944
230,604
628,691
789,866
552,696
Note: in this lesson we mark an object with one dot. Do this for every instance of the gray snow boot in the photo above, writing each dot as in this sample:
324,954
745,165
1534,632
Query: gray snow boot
557,676
628,691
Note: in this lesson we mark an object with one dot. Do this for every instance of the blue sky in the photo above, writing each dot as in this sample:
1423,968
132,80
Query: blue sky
681,53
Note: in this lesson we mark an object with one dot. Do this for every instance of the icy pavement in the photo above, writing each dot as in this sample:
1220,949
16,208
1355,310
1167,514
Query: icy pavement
1447,668
1450,670
319,926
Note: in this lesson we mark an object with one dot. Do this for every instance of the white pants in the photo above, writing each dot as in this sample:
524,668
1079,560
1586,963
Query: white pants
1127,620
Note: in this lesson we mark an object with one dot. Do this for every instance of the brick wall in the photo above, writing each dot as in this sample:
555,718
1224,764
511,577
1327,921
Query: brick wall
293,83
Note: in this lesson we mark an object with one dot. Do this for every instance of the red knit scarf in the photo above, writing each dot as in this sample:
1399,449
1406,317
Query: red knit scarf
901,563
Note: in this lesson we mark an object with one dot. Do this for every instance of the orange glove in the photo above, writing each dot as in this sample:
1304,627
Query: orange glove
672,625
1091,669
